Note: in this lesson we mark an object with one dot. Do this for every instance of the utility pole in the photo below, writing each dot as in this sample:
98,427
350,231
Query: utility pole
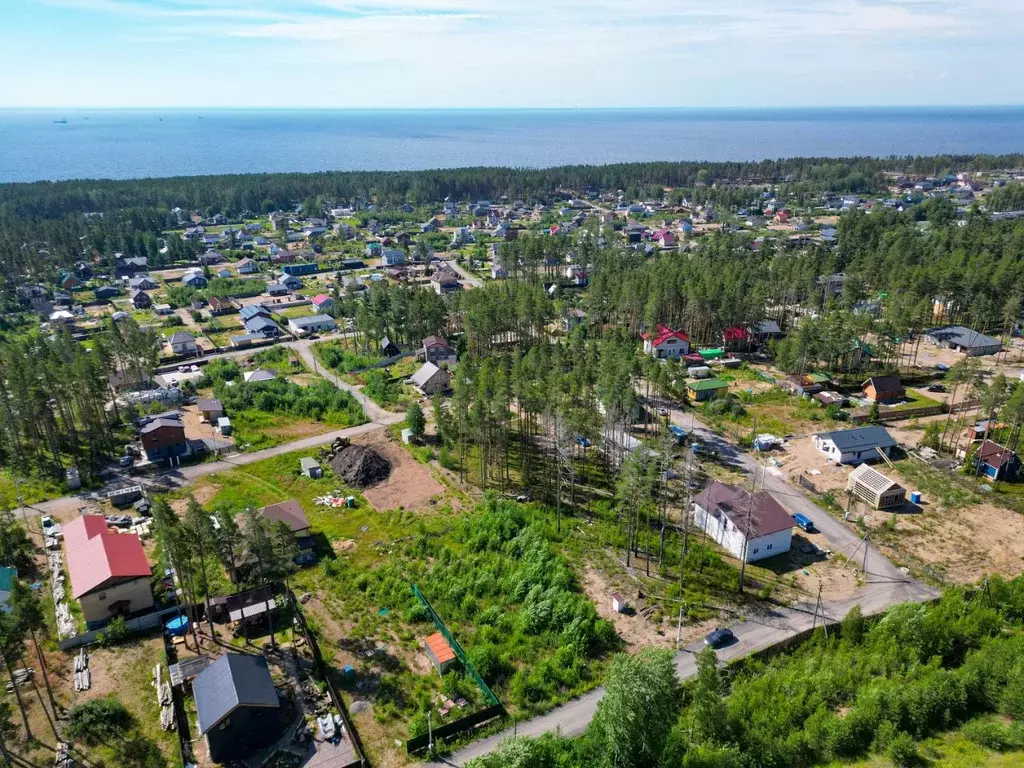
746,529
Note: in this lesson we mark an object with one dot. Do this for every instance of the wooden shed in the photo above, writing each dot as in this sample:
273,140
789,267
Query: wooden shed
876,489
439,652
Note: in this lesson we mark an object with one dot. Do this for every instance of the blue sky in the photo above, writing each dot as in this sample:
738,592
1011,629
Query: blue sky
510,53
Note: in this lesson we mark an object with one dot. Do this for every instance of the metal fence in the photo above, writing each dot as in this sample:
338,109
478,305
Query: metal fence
457,649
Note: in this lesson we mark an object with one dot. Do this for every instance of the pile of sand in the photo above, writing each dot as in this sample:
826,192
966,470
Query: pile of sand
360,466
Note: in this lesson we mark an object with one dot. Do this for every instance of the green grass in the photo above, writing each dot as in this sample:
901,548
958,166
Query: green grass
914,400
281,360
953,491
33,488
948,750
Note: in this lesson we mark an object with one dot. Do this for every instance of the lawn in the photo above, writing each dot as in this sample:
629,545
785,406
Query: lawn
256,430
914,400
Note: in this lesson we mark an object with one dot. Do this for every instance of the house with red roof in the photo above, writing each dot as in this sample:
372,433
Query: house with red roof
736,339
109,571
666,238
665,343
323,302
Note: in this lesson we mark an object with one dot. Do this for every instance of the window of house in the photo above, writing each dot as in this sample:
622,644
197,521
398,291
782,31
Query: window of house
756,550
101,596
769,546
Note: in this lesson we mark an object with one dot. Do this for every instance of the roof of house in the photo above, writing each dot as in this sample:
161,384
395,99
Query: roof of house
662,333
872,478
302,322
439,648
321,298
83,528
436,341
288,512
258,375
258,323
736,333
754,515
859,438
96,556
703,384
962,337
426,372
232,681
253,310
885,384
7,578
994,454
767,326
158,423
181,337
209,404
308,462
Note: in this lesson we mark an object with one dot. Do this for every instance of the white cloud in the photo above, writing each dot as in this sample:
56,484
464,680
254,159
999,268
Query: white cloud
555,52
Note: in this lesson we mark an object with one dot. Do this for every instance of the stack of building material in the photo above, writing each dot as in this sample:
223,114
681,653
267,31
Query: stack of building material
83,677
63,758
164,699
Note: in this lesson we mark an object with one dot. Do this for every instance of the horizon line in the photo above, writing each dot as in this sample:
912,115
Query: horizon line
737,108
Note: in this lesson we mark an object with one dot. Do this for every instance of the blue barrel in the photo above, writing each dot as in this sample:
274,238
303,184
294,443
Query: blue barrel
915,497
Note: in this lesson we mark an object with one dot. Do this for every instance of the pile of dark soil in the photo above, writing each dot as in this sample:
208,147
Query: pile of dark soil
360,466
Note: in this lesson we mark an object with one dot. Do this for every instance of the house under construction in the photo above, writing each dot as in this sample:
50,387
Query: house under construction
876,489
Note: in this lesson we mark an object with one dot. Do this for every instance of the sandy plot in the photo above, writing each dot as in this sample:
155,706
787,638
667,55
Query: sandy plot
636,631
959,546
410,484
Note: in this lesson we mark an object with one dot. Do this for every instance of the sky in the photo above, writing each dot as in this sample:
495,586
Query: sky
510,53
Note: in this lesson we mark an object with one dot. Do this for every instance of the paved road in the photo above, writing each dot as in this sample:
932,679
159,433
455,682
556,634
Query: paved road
754,634
884,586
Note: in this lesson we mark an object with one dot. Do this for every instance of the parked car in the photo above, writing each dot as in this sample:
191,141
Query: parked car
804,522
125,461
936,388
719,637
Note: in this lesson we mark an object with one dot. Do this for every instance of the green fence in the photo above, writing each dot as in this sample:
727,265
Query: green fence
457,649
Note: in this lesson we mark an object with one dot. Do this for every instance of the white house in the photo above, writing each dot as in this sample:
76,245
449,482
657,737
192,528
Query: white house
182,343
392,257
665,343
312,324
750,526
855,446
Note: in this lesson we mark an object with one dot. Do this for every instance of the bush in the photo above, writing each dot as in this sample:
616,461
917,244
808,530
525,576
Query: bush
99,720
903,750
115,632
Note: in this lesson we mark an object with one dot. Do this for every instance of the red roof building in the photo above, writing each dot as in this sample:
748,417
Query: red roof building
109,571
736,338
665,343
